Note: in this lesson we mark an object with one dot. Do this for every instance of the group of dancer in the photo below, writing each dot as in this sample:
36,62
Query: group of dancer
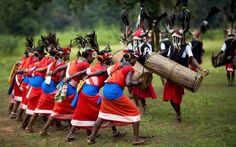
58,89
48,86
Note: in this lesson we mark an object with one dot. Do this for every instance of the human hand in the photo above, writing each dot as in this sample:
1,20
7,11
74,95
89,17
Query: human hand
87,76
205,72
67,80
51,74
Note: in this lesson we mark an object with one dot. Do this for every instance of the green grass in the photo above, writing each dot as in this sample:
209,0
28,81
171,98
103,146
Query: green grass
209,115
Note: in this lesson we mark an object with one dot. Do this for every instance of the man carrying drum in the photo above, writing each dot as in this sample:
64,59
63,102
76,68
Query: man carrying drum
181,53
229,54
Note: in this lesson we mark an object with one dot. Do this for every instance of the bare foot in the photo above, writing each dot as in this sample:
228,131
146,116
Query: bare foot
179,118
118,135
91,140
13,115
24,125
29,129
140,141
70,137
43,133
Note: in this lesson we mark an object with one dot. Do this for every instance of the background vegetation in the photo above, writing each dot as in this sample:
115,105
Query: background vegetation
33,17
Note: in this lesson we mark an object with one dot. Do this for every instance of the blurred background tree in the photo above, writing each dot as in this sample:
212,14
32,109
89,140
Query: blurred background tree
31,16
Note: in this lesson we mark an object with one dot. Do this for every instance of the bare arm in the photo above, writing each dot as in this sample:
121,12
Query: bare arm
194,61
62,75
97,73
63,67
129,82
80,73
41,69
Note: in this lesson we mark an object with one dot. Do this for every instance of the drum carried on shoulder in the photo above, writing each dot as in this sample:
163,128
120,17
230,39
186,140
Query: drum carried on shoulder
173,71
234,62
140,70
217,61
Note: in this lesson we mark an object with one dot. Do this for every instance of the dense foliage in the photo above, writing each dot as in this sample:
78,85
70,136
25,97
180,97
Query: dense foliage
31,16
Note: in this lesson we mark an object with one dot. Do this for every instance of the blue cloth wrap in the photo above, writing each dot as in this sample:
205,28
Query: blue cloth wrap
112,91
36,81
49,88
87,89
26,79
90,90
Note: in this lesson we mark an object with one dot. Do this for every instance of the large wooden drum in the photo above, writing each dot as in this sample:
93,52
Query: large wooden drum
140,70
173,71
217,61
234,61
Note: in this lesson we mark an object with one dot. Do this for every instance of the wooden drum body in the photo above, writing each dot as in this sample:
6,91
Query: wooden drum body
139,70
217,61
173,71
234,61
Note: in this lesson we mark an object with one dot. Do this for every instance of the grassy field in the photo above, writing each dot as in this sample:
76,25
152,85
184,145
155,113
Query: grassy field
209,115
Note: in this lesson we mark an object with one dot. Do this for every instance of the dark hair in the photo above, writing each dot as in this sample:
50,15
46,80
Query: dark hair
102,52
100,58
100,55
52,51
86,53
127,56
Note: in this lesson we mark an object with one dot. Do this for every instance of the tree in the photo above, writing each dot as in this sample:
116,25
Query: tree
18,18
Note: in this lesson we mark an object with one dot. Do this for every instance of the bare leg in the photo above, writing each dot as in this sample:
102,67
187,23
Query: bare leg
116,133
25,121
44,131
232,78
31,123
91,138
136,138
178,116
13,113
70,136
228,77
19,116
177,110
173,105
143,102
114,130
10,108
136,100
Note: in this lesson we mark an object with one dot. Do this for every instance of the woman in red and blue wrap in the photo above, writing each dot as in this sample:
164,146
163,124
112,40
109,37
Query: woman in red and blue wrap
116,107
63,110
32,62
14,90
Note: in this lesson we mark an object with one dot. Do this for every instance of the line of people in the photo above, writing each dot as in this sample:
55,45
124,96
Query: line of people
57,90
